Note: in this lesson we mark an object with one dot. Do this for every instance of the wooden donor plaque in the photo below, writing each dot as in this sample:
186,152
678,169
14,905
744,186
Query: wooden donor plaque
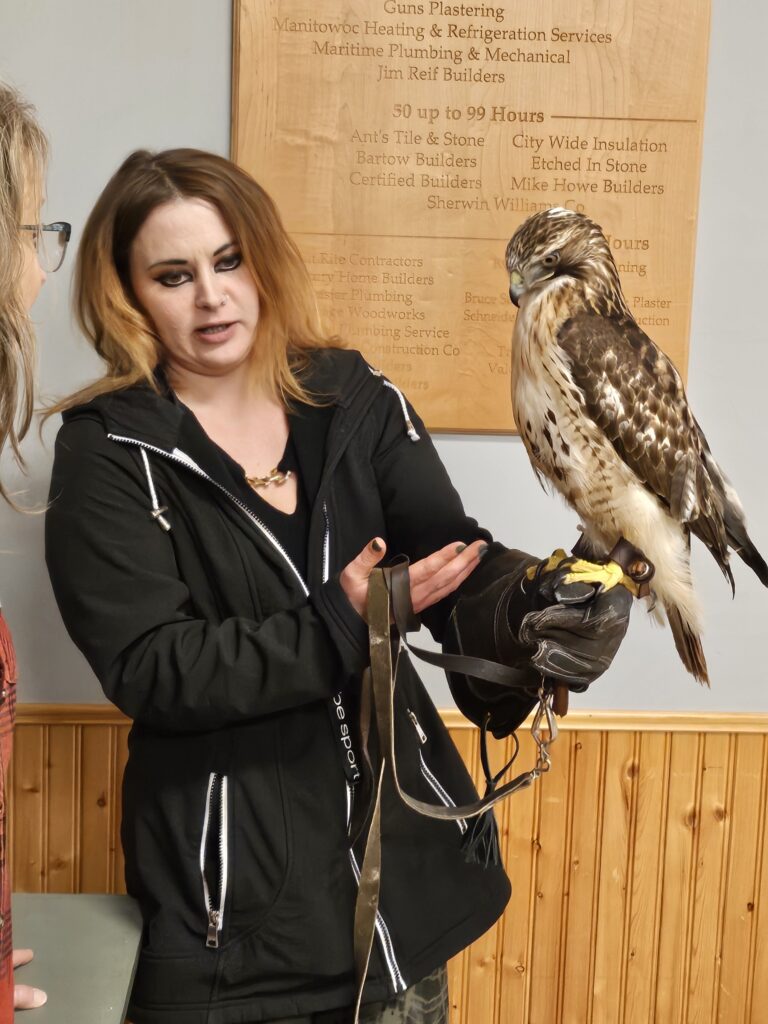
404,142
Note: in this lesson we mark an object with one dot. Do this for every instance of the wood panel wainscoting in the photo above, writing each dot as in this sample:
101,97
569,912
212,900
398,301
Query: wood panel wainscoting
638,868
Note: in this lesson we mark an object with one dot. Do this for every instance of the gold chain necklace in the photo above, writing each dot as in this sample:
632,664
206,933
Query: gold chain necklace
275,476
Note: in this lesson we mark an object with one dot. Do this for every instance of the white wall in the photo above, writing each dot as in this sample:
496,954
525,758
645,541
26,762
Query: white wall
106,78
112,76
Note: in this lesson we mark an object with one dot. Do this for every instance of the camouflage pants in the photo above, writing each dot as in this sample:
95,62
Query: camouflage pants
426,1002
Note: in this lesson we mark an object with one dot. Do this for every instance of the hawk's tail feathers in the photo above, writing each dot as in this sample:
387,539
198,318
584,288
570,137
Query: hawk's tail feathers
688,644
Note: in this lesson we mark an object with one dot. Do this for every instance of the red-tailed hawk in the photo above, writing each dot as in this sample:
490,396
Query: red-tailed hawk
604,418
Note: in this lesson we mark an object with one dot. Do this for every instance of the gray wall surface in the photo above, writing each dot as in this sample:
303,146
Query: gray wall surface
112,76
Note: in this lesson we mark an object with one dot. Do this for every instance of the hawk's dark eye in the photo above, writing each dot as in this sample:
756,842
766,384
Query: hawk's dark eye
551,259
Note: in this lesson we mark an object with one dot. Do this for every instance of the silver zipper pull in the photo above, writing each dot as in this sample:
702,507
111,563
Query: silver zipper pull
420,732
212,941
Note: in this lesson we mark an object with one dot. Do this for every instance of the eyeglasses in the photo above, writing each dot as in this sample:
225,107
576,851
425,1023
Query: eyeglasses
50,242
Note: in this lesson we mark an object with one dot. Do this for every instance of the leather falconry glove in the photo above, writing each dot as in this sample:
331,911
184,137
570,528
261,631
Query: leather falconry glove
562,619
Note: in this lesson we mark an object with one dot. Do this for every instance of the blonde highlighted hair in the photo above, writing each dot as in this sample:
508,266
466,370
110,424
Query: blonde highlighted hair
23,158
111,317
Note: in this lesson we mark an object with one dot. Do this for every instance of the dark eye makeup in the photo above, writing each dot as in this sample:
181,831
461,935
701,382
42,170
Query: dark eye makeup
229,262
175,278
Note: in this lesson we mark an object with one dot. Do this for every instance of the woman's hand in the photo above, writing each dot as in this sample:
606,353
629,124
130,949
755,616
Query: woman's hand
25,997
432,578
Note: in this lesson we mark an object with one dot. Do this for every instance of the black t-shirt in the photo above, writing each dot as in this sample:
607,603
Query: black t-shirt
290,529
304,455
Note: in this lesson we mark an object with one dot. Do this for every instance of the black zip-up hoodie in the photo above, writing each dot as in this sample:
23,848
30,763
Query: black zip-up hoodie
237,790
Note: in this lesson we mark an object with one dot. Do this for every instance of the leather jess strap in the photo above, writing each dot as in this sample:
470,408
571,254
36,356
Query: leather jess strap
390,589
398,584
389,593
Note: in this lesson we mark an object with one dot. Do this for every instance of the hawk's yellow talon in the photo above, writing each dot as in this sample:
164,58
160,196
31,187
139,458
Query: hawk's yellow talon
607,574
551,564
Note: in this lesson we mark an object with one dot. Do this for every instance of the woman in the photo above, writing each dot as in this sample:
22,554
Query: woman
23,154
219,499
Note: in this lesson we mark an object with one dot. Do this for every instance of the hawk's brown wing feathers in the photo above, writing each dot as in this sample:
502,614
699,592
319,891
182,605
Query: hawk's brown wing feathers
733,517
636,397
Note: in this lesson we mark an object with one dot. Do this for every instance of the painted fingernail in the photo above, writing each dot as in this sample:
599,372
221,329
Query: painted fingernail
460,548
376,546
483,551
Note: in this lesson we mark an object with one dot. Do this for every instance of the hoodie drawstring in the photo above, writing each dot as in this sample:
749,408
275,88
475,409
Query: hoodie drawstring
157,510
408,422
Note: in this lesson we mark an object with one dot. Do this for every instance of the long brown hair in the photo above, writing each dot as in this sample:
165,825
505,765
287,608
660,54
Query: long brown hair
111,317
23,157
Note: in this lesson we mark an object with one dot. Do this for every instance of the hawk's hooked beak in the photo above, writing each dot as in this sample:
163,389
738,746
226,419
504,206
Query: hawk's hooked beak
516,286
